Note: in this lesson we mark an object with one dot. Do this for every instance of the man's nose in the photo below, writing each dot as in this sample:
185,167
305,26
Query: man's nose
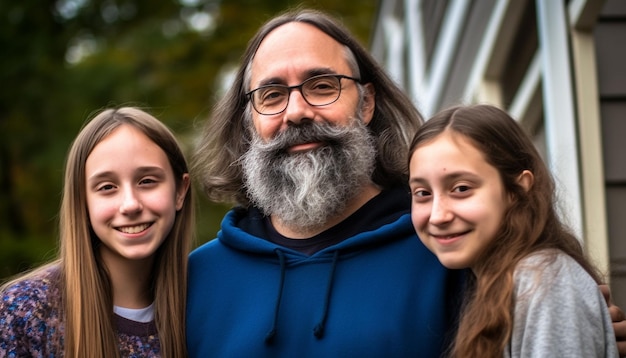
298,109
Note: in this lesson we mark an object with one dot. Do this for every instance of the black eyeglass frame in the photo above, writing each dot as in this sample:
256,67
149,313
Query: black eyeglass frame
299,88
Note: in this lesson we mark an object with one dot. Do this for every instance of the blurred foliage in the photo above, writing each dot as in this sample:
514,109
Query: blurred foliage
64,59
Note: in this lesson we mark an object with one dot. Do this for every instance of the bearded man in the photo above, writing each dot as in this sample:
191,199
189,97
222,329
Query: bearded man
319,258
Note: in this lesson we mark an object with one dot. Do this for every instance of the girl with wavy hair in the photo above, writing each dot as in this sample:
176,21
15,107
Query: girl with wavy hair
117,288
483,199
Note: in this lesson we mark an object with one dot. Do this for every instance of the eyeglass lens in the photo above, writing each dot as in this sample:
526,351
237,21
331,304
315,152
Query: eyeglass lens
317,91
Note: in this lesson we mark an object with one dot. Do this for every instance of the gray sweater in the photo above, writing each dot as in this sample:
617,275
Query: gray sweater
559,311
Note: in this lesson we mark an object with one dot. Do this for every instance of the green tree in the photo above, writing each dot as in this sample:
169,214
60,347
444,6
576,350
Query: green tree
64,59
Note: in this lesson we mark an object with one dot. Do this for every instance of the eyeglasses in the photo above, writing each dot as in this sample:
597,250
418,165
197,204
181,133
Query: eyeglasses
317,91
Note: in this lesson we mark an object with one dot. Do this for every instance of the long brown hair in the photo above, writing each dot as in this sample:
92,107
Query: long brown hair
86,304
530,224
226,135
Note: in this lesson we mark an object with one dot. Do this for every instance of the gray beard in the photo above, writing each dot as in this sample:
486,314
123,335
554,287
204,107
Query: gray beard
304,190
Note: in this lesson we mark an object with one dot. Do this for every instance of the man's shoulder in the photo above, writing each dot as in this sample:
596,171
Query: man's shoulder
231,221
205,249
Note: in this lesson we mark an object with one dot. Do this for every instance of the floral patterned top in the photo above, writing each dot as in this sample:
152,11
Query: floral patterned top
30,325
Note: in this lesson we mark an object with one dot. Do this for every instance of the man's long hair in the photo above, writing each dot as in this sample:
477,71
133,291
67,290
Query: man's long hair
226,135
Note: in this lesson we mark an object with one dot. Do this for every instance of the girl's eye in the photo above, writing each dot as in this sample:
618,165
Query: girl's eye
106,187
151,180
421,193
461,188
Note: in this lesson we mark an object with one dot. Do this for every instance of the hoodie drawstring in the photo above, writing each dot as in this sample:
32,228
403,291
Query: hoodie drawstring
269,337
318,331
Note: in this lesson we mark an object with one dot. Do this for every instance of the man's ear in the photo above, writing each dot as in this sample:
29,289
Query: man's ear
369,103
526,180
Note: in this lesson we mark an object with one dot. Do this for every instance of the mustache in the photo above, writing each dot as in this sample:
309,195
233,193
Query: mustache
303,133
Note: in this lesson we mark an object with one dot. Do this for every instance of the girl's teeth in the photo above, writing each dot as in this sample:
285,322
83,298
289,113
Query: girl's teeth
133,229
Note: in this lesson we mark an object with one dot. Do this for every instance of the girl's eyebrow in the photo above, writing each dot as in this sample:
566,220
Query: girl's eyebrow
101,175
448,177
140,170
150,169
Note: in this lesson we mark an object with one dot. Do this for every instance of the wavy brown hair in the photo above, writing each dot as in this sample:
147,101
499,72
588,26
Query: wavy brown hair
530,224
226,135
86,304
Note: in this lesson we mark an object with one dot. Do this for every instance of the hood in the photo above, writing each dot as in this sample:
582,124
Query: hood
384,219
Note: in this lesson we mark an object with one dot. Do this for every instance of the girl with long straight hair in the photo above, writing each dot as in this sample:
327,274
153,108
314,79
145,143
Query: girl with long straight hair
118,286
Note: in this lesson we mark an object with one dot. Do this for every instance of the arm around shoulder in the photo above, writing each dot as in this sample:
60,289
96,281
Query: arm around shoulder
619,320
559,311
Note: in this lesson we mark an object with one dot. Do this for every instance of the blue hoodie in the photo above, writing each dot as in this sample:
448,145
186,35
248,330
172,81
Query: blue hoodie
378,293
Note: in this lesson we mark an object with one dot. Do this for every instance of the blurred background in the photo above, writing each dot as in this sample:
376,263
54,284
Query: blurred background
62,60
555,66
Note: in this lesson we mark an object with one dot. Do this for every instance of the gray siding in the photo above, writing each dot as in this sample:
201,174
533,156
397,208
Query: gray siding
610,37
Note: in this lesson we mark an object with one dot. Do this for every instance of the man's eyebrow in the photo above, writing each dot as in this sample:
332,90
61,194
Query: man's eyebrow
320,71
308,74
271,81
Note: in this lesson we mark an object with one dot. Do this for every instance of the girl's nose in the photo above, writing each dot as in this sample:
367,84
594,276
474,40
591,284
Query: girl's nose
130,203
440,212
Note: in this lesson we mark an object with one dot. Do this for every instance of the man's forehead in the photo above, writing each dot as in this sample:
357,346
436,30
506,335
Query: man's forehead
296,50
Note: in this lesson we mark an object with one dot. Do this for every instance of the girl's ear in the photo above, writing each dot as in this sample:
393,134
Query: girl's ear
181,191
526,180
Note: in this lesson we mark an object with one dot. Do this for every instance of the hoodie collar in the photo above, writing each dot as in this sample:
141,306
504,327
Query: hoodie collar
383,209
